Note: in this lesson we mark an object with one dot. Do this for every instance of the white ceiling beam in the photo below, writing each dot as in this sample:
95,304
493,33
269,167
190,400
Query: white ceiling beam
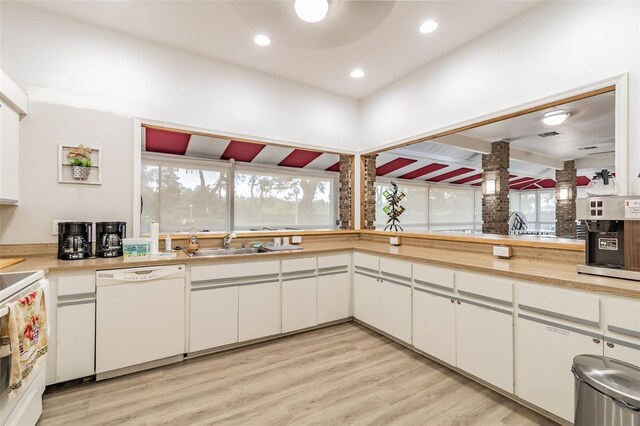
532,157
596,161
465,142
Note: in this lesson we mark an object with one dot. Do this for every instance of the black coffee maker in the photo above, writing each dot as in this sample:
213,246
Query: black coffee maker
74,240
109,237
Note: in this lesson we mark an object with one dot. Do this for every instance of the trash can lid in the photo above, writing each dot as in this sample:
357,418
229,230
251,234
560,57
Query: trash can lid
612,377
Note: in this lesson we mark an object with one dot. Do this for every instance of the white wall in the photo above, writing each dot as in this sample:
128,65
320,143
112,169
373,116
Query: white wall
556,47
86,83
88,65
42,198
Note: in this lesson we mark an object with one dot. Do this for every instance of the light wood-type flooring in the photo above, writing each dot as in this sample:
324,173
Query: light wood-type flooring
344,374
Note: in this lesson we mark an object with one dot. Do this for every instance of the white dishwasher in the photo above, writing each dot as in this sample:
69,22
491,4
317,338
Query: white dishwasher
140,319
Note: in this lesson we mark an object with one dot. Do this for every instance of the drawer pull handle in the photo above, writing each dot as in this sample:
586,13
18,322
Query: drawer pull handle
459,303
452,300
611,345
596,340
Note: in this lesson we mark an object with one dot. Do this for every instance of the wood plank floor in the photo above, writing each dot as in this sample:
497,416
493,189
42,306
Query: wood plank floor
345,374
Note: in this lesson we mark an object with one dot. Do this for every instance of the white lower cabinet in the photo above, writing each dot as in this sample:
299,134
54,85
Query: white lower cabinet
259,312
299,303
544,356
622,329
366,298
214,316
434,324
623,350
76,334
333,296
395,308
484,337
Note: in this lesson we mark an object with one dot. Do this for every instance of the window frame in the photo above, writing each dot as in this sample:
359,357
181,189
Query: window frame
231,167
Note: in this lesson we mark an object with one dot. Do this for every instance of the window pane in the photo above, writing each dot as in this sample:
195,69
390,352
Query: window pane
548,206
528,206
452,208
278,200
180,197
415,216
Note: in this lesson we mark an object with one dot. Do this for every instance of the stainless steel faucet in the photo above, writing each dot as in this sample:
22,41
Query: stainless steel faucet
226,240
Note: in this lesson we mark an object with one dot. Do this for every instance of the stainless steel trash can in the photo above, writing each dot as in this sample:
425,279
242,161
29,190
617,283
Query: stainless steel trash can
607,392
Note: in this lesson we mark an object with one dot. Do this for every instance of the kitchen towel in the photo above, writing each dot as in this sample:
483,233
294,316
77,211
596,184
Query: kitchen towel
24,335
155,235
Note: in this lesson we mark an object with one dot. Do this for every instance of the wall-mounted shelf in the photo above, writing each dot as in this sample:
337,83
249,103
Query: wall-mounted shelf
65,170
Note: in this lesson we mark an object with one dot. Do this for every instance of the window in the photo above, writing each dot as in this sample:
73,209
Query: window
539,207
275,199
433,207
180,195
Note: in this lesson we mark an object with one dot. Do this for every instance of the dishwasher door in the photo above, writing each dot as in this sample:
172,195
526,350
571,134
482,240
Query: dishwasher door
140,316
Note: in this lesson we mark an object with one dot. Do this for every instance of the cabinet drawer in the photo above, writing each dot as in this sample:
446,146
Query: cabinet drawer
485,287
395,268
234,270
570,305
333,261
76,283
622,316
305,264
433,276
366,261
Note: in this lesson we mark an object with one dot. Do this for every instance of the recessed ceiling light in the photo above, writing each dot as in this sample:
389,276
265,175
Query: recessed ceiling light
262,40
553,118
428,27
311,10
357,73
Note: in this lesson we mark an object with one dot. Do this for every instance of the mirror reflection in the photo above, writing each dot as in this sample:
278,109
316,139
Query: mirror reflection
518,176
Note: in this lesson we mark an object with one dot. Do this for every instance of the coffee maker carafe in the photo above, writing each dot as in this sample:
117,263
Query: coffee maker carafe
109,237
74,240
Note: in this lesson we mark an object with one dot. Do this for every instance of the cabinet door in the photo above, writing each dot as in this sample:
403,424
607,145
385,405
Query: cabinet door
214,317
626,351
299,303
9,154
544,356
259,310
395,309
333,296
434,324
76,340
366,298
484,343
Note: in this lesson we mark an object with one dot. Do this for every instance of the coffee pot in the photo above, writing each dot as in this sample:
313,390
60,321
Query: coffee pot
603,184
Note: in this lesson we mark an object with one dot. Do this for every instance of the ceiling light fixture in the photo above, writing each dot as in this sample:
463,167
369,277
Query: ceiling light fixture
262,40
311,10
357,73
428,27
553,118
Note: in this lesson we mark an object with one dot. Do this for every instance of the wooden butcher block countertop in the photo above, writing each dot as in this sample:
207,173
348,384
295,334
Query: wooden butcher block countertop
551,273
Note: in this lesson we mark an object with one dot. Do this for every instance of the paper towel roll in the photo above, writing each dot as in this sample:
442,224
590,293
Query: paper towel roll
155,235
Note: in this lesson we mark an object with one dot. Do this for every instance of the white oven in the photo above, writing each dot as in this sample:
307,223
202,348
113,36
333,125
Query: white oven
23,406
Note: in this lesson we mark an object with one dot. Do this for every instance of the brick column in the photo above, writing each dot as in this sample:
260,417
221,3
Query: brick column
566,209
345,194
369,203
495,208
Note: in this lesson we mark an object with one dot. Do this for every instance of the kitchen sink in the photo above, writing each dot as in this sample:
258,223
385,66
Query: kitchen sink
226,252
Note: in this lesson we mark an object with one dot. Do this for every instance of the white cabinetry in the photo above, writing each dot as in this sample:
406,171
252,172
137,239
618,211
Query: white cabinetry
334,288
553,326
622,329
299,294
484,328
395,298
434,312
366,288
259,303
214,312
13,103
75,326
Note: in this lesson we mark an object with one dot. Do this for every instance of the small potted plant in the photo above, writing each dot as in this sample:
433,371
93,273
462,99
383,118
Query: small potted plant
81,167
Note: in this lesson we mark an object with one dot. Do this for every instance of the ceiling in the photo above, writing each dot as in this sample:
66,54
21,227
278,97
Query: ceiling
381,37
208,147
457,158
